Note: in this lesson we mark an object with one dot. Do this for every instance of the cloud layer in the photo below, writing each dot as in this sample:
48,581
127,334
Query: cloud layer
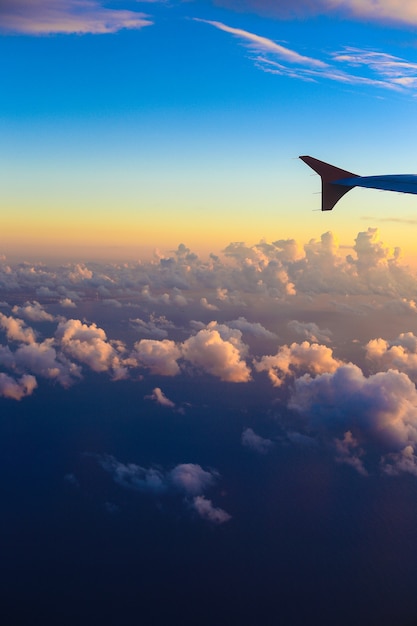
355,397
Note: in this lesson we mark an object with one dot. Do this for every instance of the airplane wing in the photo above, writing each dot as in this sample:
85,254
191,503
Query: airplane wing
335,182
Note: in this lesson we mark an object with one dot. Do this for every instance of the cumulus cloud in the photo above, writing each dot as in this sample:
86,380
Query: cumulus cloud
132,476
44,17
160,398
251,328
397,463
89,344
399,354
216,349
218,355
16,329
33,311
251,278
192,479
187,479
207,511
310,331
17,389
378,413
349,452
157,326
160,357
41,359
206,305
290,360
67,303
273,271
260,444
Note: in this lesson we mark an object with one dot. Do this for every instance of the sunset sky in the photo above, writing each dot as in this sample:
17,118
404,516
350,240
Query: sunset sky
129,126
208,401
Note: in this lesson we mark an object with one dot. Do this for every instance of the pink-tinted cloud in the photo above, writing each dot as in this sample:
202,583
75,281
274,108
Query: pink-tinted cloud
380,410
401,462
17,389
191,478
88,344
207,511
399,354
157,326
41,359
160,398
296,358
16,329
44,17
310,331
160,357
374,10
349,452
217,356
33,311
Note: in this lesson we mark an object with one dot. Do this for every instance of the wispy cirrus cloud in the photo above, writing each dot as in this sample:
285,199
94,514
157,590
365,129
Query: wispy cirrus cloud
350,66
398,220
45,17
263,44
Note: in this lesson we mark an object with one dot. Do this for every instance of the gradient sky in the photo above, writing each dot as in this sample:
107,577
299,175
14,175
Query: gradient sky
231,437
128,126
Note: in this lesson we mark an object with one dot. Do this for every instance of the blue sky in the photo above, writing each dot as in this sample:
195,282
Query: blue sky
118,119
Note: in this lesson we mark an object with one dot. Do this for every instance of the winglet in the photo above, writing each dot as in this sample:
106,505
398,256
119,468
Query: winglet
331,190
